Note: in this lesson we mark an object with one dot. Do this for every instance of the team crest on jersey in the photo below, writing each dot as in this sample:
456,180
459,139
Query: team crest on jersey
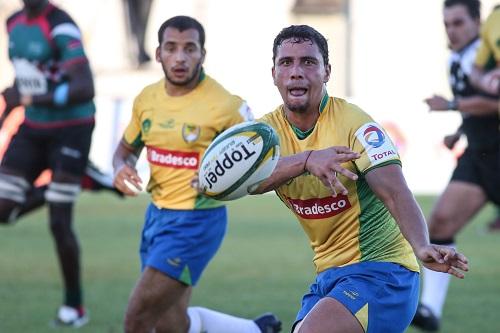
146,125
190,132
377,144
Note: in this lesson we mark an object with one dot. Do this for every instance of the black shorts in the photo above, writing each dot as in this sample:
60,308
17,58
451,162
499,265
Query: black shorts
63,149
481,168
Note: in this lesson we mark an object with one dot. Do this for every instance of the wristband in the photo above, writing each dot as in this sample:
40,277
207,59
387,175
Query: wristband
453,105
305,162
61,94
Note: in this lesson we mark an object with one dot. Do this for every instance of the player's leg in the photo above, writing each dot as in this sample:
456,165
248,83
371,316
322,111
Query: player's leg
494,225
184,243
67,160
364,297
206,320
22,163
155,296
492,185
330,316
95,180
455,207
461,200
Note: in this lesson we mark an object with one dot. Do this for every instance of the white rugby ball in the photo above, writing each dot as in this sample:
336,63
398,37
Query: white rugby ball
238,160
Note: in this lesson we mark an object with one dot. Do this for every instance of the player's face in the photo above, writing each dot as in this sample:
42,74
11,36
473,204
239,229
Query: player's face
300,75
460,27
181,56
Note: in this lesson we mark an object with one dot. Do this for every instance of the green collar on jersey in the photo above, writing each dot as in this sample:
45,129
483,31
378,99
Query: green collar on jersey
304,134
202,75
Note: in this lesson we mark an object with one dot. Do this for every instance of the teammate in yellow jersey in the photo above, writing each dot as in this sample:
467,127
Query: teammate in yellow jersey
175,119
341,176
489,81
489,52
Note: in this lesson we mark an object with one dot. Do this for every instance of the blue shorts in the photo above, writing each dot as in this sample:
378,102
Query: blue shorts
180,243
382,296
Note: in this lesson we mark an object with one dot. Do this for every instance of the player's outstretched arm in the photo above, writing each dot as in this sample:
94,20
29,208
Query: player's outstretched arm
389,185
126,179
324,164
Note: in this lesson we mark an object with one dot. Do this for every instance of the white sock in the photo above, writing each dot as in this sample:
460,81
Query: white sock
203,320
434,289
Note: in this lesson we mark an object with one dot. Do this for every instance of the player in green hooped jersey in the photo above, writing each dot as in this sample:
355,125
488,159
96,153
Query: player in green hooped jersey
340,175
54,83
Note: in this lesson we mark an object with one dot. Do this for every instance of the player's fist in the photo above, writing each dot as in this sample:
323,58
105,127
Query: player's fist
127,180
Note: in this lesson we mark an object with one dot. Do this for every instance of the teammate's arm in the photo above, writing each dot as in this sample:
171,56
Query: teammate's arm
389,185
488,82
78,83
124,160
324,164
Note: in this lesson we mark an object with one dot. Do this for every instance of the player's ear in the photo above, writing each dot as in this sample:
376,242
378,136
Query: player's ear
203,54
273,73
158,58
328,71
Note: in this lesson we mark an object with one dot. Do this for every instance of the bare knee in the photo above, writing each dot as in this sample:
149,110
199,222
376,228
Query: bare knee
442,223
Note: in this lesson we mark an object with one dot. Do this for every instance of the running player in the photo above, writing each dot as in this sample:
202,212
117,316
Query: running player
476,178
341,176
176,119
54,84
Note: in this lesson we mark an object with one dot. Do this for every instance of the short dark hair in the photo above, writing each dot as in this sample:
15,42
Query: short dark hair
473,6
182,23
300,34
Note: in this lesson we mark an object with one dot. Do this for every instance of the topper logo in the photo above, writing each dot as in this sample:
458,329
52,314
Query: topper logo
228,161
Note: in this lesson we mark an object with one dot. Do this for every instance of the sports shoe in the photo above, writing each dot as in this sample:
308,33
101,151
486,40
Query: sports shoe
425,319
268,323
96,180
71,317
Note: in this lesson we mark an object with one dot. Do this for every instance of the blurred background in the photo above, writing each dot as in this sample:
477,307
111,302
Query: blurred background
387,56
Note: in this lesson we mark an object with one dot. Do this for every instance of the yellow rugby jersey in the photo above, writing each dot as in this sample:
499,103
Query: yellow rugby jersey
346,229
176,130
488,54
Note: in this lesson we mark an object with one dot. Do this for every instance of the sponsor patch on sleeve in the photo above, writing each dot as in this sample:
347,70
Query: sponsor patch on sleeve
377,144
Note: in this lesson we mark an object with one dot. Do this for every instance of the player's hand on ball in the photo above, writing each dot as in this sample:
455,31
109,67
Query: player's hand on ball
443,259
128,181
326,165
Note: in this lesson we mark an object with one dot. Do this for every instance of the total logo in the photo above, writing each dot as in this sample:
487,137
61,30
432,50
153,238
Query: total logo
374,136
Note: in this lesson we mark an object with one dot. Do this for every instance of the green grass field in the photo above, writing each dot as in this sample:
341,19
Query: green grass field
263,265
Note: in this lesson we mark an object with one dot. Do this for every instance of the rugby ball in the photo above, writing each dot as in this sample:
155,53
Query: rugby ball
238,160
